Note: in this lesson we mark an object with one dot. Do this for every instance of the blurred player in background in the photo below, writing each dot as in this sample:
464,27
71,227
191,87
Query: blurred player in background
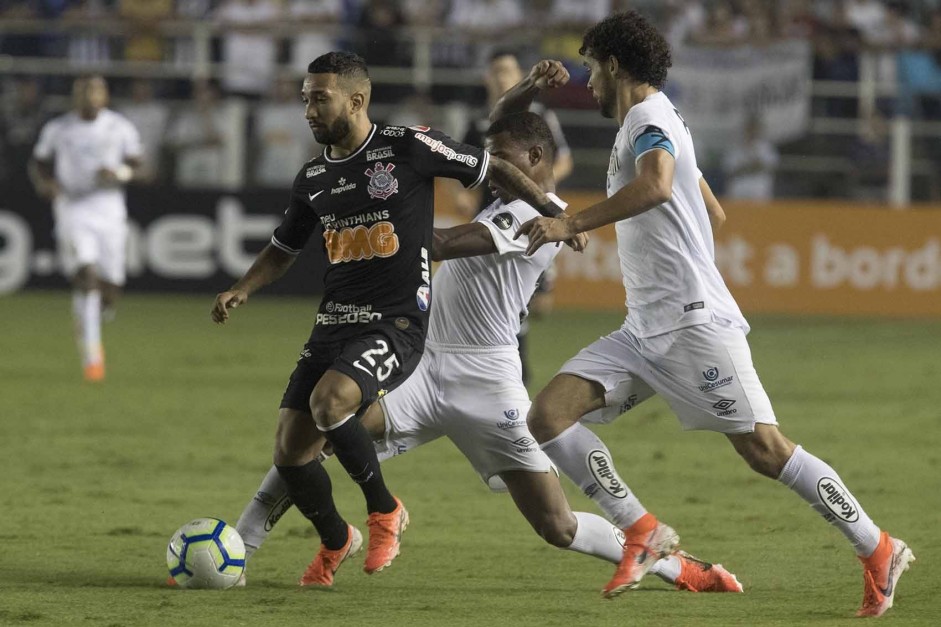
468,385
684,336
370,199
81,163
504,72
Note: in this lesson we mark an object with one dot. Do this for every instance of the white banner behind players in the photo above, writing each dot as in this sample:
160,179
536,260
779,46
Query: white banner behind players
716,90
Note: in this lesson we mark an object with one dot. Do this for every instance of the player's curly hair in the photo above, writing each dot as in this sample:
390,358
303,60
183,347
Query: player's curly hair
639,48
526,128
343,64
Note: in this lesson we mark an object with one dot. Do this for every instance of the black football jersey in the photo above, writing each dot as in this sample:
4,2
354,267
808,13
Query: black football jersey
373,213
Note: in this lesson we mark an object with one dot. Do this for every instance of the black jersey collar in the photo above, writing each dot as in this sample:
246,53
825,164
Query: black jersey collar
352,154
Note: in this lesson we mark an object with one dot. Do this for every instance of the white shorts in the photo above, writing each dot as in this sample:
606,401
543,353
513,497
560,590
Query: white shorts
476,399
704,372
89,238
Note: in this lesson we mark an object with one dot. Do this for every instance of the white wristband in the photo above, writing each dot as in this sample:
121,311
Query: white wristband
123,173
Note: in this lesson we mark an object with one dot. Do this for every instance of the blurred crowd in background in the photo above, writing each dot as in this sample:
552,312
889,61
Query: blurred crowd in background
213,85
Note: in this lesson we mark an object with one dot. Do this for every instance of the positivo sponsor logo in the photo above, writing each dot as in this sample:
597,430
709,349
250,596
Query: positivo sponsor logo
603,471
836,499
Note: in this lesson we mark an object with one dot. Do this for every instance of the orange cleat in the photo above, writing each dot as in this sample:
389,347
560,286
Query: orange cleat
385,536
95,372
325,564
881,571
646,541
171,582
700,576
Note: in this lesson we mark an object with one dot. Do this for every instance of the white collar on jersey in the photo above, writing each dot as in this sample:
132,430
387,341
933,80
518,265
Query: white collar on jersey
353,154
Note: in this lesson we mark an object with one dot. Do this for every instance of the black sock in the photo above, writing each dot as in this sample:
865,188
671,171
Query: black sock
355,450
310,488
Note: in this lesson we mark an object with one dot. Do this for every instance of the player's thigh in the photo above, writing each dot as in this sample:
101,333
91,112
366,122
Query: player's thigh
599,383
705,373
314,360
409,413
78,247
112,258
483,411
379,360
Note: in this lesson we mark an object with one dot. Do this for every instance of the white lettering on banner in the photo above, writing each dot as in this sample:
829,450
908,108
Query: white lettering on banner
175,246
235,228
732,258
867,268
782,268
173,252
179,246
16,252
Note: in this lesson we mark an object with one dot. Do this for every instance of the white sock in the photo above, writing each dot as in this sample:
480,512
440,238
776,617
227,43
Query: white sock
597,537
584,458
263,512
818,484
668,568
86,308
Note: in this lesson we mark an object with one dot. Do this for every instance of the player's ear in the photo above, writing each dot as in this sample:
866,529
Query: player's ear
613,65
535,155
357,101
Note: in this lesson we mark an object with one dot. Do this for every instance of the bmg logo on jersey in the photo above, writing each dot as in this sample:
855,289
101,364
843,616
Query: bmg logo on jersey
361,242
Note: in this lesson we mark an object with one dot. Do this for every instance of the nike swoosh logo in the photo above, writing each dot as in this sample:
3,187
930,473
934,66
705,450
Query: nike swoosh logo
312,196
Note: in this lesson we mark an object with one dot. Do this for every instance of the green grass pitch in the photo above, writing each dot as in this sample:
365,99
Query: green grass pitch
95,479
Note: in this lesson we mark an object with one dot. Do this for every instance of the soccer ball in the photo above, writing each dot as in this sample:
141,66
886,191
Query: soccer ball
206,553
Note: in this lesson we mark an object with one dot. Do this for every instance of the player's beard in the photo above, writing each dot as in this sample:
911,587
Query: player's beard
333,133
607,107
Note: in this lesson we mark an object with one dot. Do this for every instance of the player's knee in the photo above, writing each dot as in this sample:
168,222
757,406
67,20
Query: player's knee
329,406
763,459
540,420
557,530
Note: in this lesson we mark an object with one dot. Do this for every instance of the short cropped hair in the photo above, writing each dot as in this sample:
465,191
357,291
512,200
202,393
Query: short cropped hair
526,128
639,48
343,64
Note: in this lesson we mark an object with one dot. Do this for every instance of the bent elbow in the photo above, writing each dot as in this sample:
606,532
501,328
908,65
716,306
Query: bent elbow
663,194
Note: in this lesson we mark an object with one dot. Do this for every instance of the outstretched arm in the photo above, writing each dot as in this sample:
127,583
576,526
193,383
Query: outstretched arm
269,266
465,240
652,187
544,75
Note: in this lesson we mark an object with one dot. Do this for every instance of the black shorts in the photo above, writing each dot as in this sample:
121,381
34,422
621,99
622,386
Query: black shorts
379,360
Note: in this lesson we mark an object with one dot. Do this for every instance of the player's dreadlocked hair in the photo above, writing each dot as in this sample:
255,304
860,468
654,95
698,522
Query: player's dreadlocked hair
640,50
526,128
343,64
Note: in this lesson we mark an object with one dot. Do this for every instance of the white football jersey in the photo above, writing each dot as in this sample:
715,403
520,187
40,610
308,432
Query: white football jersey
667,254
79,148
480,301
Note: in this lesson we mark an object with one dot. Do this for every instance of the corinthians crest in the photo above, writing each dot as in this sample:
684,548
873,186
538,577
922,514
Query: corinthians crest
381,182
